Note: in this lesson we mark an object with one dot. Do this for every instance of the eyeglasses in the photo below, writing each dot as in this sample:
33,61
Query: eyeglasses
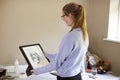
63,15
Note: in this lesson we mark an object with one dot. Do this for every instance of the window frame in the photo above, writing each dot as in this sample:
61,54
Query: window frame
114,22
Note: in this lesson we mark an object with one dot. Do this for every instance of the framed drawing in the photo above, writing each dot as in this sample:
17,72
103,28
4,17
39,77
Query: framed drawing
34,55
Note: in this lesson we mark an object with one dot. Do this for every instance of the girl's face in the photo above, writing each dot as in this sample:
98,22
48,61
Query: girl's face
69,19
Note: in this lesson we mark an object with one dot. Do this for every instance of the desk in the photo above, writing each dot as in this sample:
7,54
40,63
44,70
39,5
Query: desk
85,76
45,76
106,76
48,76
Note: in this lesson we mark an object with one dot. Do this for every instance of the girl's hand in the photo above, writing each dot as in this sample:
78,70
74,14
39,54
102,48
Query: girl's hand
32,71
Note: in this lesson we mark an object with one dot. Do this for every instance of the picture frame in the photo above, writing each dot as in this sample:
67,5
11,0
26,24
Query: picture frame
34,55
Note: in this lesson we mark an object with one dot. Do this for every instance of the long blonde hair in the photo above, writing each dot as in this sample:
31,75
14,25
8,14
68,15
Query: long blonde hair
78,12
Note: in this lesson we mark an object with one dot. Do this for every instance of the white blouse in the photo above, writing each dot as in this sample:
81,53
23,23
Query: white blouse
69,60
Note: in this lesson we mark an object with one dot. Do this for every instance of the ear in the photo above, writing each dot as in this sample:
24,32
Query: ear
71,16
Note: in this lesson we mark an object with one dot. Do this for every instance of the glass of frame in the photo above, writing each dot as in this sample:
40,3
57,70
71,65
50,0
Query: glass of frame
34,55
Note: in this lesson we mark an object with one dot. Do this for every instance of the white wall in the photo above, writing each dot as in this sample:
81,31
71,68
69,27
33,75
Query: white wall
30,21
98,15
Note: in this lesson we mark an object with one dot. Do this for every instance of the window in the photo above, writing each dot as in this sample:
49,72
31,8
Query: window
114,21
